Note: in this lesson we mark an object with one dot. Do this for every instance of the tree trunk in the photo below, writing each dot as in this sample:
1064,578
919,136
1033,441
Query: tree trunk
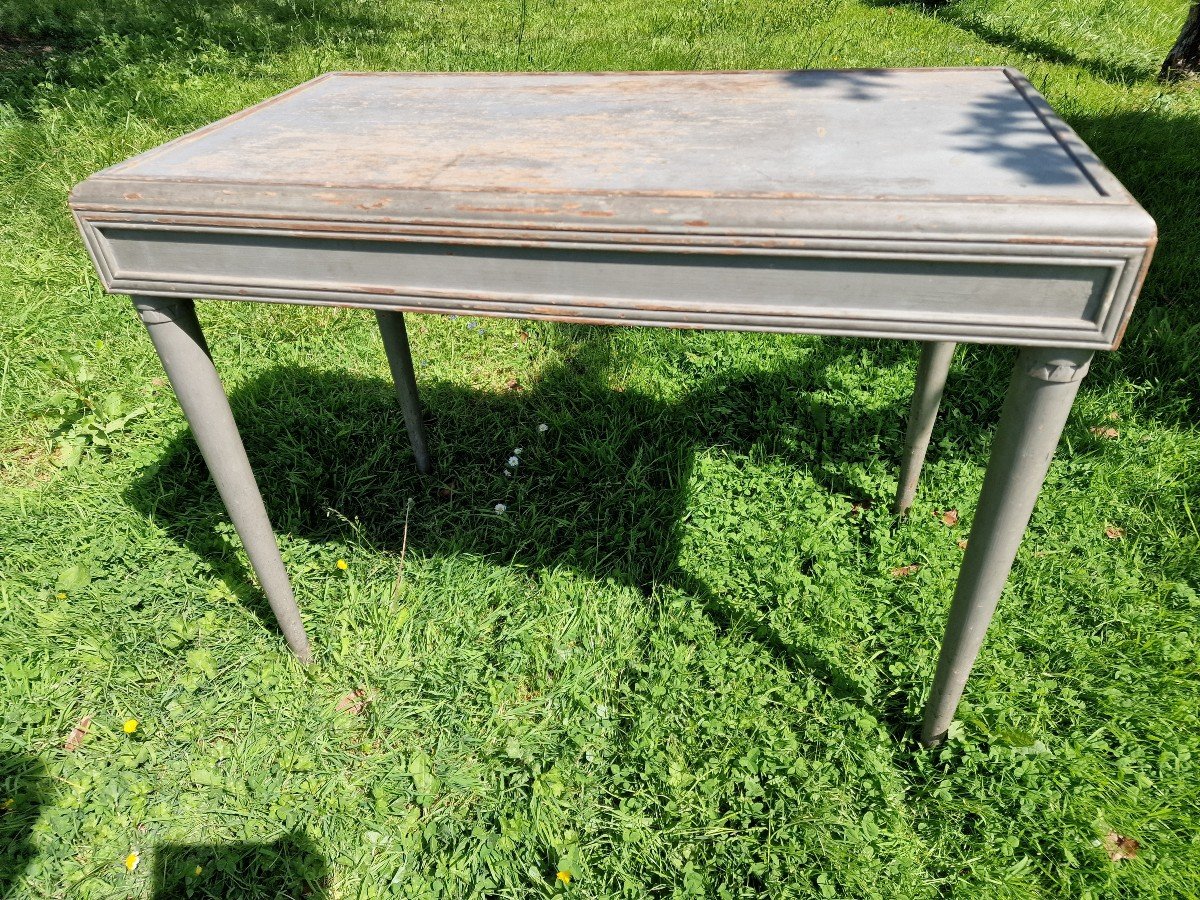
1184,58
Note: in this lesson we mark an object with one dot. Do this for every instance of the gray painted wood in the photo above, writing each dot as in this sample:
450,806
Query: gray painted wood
865,134
1043,387
932,370
945,204
399,357
175,332
940,205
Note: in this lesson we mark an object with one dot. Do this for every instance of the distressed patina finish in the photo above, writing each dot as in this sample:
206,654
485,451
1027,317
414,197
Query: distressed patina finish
940,205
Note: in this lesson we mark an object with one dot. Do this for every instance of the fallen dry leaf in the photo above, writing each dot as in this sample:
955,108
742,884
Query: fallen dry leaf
513,385
1114,532
950,518
858,507
354,702
962,543
78,733
902,571
524,335
1104,432
1119,847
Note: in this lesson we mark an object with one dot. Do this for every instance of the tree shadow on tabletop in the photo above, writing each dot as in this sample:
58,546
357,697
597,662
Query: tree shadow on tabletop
603,491
997,125
22,794
290,868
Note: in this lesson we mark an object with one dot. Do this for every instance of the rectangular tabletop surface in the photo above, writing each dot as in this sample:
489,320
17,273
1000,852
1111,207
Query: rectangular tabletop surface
966,135
742,162
948,133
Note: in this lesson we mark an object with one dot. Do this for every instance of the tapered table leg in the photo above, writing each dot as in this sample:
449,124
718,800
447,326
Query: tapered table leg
1044,384
180,343
395,345
931,380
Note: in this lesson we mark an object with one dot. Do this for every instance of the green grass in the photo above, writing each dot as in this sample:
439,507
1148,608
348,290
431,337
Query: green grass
679,665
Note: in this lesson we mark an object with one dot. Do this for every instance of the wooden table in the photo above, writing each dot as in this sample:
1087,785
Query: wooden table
937,205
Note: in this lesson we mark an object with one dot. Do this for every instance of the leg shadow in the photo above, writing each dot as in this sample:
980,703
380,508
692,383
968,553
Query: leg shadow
290,868
22,793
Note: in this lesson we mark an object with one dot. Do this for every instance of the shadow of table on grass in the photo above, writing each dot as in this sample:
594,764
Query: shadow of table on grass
22,794
290,868
603,491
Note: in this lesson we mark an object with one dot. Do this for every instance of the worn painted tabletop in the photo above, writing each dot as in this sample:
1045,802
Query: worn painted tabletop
954,134
969,167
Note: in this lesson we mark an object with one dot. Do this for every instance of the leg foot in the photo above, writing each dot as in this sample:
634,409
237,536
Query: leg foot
1043,387
395,344
931,380
180,343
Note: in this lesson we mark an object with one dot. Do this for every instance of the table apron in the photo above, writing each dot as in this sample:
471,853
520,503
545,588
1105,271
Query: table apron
1013,294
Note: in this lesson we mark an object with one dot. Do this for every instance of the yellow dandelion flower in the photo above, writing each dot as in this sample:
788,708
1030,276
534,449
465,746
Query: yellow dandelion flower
131,861
197,870
343,565
61,596
564,876
7,803
130,726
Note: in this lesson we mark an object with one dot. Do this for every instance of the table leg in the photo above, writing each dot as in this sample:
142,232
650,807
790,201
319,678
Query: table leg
1043,387
180,343
395,344
931,380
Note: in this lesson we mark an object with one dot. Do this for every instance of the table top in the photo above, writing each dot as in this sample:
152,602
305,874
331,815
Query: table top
959,136
741,161
934,133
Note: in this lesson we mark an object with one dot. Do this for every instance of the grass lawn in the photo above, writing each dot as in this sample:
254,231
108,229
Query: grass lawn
680,665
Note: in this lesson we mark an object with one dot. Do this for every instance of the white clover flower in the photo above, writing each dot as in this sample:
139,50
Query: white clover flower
543,428
508,473
500,509
517,451
513,462
602,710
